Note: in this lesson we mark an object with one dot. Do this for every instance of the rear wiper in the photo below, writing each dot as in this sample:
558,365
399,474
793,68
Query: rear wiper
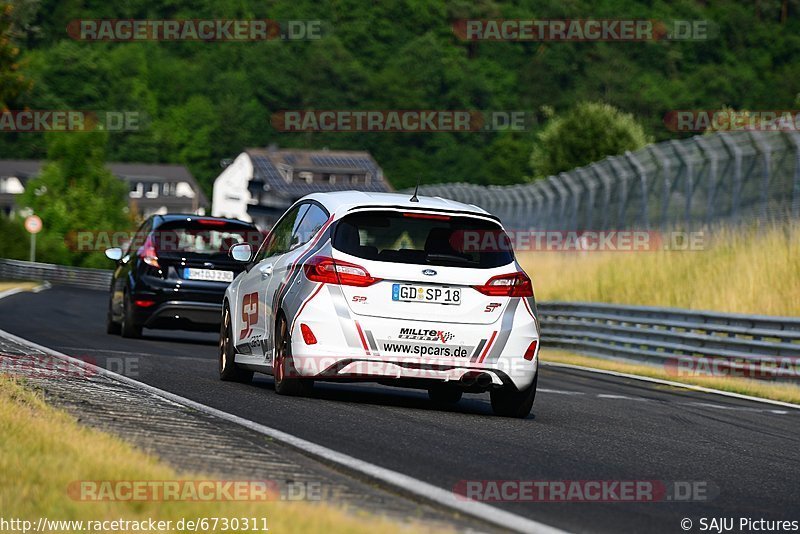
448,258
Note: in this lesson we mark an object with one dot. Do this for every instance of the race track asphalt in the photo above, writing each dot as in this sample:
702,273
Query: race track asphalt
584,426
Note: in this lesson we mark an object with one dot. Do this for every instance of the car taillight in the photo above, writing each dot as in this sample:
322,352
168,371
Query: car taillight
427,216
144,303
507,285
531,352
211,222
330,271
147,252
308,335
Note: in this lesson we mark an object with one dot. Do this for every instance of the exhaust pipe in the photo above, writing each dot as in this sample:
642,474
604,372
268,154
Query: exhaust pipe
476,378
484,380
469,378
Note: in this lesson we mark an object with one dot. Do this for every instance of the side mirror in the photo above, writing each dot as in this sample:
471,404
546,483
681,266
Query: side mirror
242,252
114,253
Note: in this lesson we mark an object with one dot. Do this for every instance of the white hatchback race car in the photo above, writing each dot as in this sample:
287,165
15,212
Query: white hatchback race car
405,291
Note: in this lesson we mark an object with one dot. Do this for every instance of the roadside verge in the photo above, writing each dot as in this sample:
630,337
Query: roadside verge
53,472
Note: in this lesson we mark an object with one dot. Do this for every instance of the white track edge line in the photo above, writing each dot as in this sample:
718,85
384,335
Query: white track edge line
671,383
16,290
429,492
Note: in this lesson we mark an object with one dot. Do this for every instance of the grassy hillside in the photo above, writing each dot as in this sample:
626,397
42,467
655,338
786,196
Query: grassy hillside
206,101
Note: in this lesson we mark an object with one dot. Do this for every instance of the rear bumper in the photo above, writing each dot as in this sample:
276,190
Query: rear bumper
184,315
353,346
517,373
179,305
513,370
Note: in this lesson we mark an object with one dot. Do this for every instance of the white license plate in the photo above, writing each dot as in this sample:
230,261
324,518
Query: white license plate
209,275
434,294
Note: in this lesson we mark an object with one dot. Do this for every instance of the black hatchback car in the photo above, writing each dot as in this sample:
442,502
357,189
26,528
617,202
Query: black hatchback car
173,273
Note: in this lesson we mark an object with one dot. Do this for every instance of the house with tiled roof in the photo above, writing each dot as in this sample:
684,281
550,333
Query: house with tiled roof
152,188
261,183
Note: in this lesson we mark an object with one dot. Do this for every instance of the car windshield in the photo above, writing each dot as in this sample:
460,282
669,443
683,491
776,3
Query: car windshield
423,239
203,237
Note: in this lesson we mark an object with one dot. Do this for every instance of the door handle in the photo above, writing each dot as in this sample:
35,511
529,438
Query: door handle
266,271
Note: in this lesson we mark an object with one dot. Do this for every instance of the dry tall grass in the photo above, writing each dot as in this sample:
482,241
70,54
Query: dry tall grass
753,271
43,450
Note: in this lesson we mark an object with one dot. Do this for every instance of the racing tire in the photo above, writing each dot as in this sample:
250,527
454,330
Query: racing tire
129,328
112,327
510,402
287,381
444,394
228,370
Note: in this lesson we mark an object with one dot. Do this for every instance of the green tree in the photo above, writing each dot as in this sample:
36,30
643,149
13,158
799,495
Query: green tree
75,193
588,132
508,158
14,244
186,134
12,82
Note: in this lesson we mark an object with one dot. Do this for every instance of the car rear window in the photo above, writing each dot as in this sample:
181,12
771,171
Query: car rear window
203,236
423,239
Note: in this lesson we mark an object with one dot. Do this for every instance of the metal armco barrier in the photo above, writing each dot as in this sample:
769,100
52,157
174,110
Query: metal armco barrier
664,335
652,334
55,274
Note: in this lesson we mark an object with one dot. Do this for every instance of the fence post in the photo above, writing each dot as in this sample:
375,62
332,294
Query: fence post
712,173
736,152
794,137
606,181
590,186
575,192
766,157
664,167
638,168
551,198
686,161
535,191
622,184
561,192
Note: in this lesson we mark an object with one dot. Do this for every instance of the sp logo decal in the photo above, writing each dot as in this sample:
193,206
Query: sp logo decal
249,314
359,298
429,272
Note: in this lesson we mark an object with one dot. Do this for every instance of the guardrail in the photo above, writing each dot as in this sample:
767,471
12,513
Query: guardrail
664,335
729,341
55,274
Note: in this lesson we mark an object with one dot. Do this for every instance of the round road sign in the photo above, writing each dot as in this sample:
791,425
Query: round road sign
33,224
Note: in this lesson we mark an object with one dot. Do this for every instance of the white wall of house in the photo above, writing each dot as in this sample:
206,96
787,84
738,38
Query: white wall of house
230,196
11,185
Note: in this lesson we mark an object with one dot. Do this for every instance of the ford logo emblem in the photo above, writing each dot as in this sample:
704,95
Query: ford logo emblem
429,272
